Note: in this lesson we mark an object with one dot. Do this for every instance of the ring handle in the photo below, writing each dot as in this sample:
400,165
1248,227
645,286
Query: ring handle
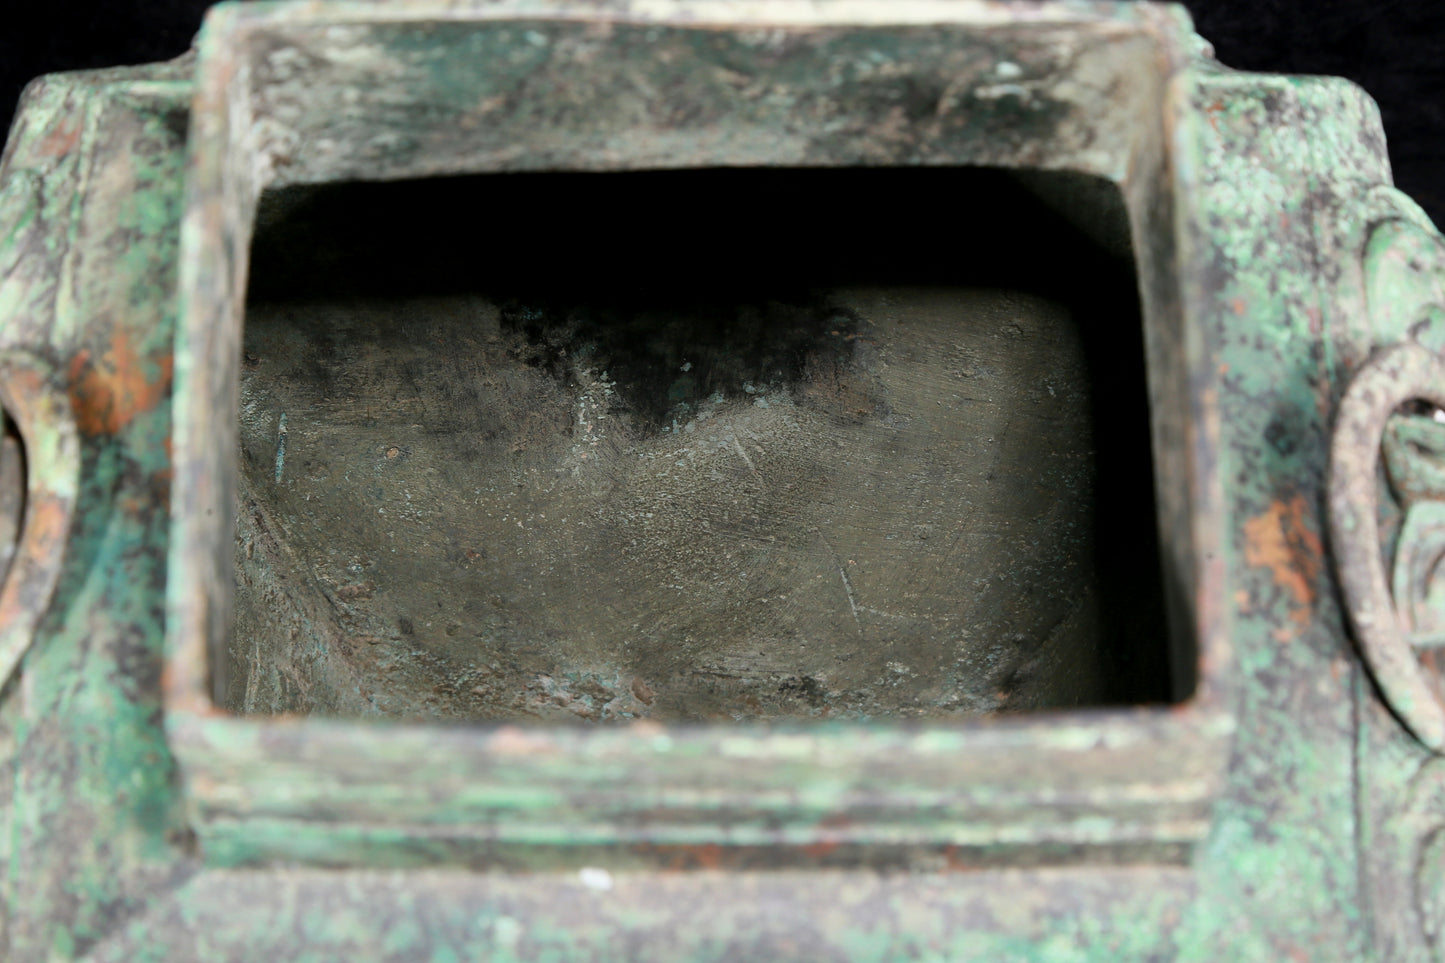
1393,632
40,410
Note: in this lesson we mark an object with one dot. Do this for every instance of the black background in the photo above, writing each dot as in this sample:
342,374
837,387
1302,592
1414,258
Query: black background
1395,49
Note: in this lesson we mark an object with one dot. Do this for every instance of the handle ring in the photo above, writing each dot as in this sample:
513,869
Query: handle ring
1403,373
40,410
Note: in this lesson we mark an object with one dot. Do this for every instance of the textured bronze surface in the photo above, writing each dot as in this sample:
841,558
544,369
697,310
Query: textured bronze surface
1249,794
690,474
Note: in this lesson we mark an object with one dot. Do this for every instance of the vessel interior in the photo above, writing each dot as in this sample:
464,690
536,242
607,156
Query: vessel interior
709,445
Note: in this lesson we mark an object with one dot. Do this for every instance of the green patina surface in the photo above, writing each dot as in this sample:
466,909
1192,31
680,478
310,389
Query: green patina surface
90,761
1263,156
1328,812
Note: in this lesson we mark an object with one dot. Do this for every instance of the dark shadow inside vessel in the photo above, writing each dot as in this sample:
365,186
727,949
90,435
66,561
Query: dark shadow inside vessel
695,445
12,492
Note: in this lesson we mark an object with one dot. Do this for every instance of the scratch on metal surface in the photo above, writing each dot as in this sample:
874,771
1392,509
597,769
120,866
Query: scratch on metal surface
847,585
281,446
754,469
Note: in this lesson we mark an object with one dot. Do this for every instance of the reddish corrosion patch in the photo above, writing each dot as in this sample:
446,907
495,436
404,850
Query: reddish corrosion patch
955,861
1295,953
1212,112
515,741
679,858
61,139
160,484
111,390
183,693
1281,540
829,827
161,478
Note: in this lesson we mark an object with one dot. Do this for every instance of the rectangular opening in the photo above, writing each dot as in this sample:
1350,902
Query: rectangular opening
696,445
761,239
